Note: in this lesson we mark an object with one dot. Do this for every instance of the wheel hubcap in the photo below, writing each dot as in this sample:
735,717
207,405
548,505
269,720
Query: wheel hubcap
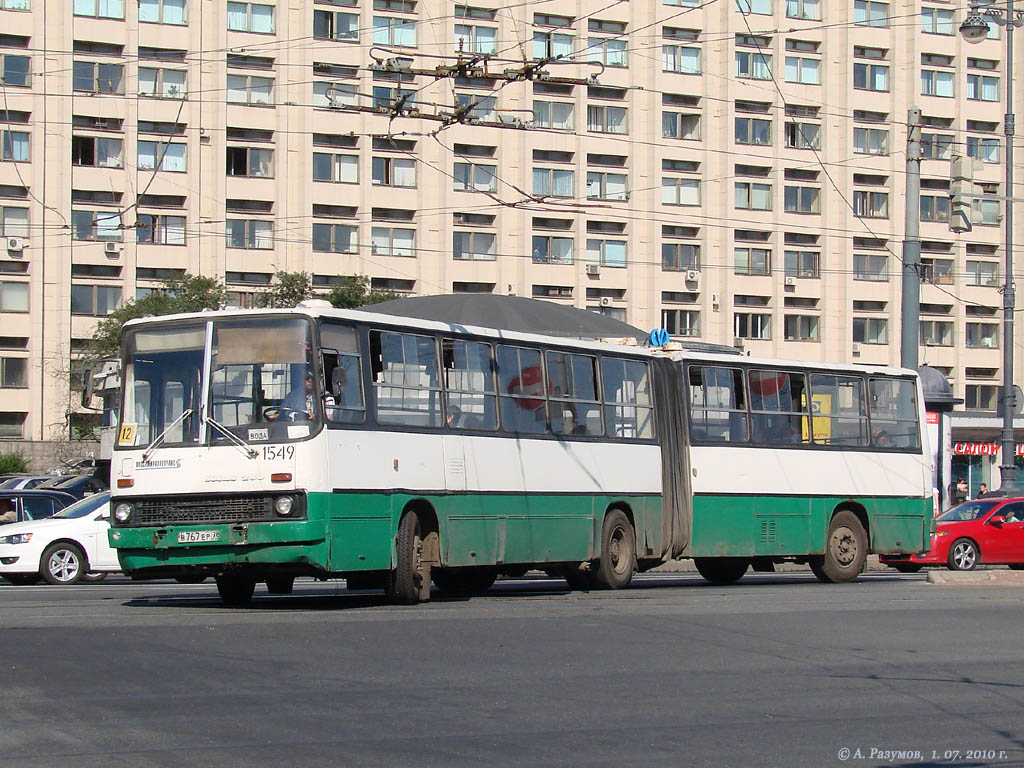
64,565
964,556
844,546
615,547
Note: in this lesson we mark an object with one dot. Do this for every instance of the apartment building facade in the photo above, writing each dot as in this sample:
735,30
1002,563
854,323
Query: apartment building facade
731,170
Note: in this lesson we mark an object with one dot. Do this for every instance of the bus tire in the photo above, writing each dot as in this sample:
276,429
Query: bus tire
405,584
464,581
846,550
235,590
280,585
618,552
721,571
963,555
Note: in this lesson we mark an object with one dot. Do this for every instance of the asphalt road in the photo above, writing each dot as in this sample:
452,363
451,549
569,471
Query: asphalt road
776,671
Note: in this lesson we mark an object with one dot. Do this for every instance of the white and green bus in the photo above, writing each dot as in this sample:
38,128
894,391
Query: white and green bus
258,446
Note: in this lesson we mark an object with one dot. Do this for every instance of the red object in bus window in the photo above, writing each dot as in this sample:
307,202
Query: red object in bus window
766,385
531,384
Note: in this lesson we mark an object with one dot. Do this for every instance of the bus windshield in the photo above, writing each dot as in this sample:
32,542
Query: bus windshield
261,385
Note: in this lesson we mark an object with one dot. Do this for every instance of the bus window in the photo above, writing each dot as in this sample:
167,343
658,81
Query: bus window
342,367
573,405
838,410
405,379
893,404
778,409
469,381
521,390
628,409
718,408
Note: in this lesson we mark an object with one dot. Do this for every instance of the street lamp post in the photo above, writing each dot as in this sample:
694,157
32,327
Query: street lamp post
974,30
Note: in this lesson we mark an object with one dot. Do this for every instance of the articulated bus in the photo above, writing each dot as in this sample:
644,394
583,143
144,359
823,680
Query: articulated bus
258,446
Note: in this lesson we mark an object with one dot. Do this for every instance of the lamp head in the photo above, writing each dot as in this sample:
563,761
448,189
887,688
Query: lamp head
974,29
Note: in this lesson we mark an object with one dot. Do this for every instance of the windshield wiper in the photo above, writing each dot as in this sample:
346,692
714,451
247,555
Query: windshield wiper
251,452
160,438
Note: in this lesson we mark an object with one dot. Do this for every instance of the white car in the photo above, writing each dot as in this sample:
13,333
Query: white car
69,547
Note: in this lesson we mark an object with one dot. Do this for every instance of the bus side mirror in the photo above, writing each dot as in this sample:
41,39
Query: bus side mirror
87,388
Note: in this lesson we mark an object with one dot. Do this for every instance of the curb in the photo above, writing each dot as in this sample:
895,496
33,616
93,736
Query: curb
1005,578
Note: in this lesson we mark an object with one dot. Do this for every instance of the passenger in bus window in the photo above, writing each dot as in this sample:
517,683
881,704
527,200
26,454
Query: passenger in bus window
881,439
453,416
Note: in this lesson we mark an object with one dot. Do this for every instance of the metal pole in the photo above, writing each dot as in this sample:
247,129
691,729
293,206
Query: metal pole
1007,472
911,312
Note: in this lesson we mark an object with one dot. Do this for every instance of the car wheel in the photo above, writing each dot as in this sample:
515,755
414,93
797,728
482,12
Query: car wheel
963,555
63,564
1017,566
94,577
907,567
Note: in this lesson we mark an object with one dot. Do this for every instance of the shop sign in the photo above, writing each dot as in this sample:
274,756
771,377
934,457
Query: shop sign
981,449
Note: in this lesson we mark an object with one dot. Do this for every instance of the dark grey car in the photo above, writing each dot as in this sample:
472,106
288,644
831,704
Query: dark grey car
34,504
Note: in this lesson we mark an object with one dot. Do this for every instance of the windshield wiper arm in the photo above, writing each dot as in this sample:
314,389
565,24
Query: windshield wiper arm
251,452
160,438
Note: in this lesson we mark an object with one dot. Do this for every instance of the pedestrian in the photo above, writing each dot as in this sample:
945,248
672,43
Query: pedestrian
960,492
982,490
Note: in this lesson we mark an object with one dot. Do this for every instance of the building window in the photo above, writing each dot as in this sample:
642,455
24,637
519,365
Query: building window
983,335
14,221
804,70
870,14
13,297
752,261
392,241
680,257
680,58
870,330
935,82
939,271
804,9
96,225
251,17
936,21
681,322
984,149
162,83
800,328
475,177
250,161
162,155
100,9
553,182
94,77
983,273
987,212
17,70
802,263
934,208
982,88
802,199
341,169
753,65
870,141
160,229
871,77
15,5
803,135
753,130
330,95
607,186
871,205
389,30
551,45
981,397
251,90
335,25
13,372
752,325
680,125
677,190
552,250
609,51
937,333
557,115
606,119
760,7
335,238
478,107
607,253
12,426
393,172
94,300
473,246
252,234
474,39
162,12
16,146
753,196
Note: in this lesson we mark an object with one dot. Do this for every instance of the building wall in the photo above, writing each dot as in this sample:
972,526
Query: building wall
56,182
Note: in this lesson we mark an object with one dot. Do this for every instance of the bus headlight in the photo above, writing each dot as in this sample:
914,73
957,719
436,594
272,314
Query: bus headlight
123,512
283,505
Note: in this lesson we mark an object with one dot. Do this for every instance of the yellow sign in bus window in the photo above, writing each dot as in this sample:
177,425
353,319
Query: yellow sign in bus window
126,435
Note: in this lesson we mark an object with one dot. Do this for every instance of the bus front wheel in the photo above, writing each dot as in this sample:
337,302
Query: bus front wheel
235,590
408,583
618,552
721,571
846,550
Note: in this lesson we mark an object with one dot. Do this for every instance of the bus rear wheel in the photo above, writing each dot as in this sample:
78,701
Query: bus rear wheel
846,550
618,552
464,581
408,584
721,571
280,585
235,590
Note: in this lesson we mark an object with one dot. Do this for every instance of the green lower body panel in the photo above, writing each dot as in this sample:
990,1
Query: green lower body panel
749,526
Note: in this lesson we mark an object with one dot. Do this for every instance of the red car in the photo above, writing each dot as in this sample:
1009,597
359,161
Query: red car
989,531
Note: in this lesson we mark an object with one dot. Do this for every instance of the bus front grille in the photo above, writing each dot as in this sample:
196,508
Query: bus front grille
203,509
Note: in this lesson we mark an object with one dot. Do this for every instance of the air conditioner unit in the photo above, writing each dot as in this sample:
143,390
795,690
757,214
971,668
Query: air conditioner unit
15,244
606,301
791,282
693,275
856,350
593,269
716,298
111,247
737,342
511,289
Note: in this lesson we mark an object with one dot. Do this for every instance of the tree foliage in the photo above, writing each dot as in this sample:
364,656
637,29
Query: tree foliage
288,289
355,291
190,293
12,463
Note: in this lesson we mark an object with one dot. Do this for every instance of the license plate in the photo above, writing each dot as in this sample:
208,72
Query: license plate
195,537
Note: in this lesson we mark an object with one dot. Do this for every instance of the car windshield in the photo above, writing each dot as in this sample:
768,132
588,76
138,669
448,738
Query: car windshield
85,506
971,510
